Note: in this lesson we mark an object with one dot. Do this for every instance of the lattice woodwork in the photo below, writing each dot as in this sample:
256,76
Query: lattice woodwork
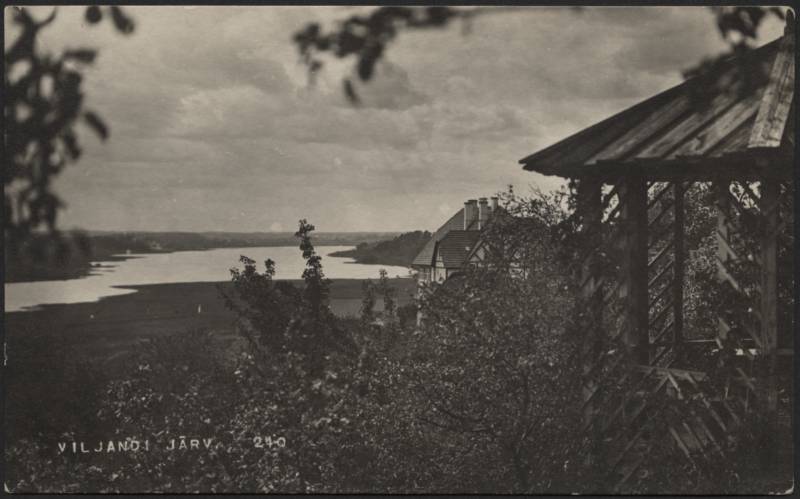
628,395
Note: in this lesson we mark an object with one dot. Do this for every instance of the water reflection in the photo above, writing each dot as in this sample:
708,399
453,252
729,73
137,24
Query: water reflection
182,266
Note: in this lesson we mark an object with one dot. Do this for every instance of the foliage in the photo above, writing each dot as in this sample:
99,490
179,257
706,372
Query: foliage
700,283
749,457
389,295
366,37
358,407
300,356
42,104
738,26
47,257
407,315
461,402
47,372
367,302
177,385
497,374
725,363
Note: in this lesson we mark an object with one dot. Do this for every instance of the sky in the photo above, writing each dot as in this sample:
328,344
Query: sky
214,125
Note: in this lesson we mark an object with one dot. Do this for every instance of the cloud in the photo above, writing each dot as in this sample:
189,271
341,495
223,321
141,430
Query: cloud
214,126
390,88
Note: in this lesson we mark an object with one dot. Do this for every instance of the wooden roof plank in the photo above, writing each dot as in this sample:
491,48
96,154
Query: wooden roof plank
778,96
720,128
661,133
625,118
735,141
637,136
692,125
598,141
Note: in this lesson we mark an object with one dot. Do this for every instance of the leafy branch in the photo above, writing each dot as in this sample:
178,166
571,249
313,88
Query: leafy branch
366,38
42,104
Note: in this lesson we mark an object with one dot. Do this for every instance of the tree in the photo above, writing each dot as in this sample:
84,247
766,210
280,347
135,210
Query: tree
300,358
367,302
388,293
496,373
43,103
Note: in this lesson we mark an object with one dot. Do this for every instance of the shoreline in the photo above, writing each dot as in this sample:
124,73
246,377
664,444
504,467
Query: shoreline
79,270
108,328
361,259
144,287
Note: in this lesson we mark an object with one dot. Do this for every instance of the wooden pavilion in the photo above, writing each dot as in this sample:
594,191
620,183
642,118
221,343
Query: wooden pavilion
731,129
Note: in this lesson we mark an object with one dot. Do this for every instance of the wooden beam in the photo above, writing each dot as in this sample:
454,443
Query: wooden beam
590,211
769,285
634,288
678,269
748,165
679,373
721,235
662,252
778,95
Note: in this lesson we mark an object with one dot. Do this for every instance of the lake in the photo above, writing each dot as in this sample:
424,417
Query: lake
181,266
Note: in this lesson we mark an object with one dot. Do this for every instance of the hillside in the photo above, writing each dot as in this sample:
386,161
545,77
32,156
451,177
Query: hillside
398,251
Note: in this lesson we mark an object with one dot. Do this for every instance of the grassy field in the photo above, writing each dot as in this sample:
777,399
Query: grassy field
108,329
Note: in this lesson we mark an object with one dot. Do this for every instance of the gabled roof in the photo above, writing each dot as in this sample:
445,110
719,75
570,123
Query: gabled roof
736,115
454,248
456,222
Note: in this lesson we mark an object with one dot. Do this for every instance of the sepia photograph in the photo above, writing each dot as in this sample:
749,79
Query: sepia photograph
371,249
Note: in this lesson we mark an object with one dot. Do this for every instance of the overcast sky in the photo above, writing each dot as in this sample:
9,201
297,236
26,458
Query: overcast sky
213,125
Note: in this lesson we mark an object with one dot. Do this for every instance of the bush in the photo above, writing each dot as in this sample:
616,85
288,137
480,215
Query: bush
54,388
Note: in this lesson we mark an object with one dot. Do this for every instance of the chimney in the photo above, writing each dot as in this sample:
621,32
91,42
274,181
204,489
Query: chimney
493,204
470,213
483,213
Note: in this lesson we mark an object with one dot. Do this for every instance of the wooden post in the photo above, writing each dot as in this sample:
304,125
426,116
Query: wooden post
678,269
769,285
633,287
591,215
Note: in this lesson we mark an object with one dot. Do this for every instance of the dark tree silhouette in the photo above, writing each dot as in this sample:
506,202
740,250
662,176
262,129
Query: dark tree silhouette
43,103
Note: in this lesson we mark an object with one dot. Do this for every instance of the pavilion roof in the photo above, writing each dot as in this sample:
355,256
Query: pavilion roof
743,106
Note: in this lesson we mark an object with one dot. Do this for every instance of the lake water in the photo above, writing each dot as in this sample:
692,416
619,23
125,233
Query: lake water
182,266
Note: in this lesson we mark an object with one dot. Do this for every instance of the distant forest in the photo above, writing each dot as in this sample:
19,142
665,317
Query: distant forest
76,251
104,243
398,251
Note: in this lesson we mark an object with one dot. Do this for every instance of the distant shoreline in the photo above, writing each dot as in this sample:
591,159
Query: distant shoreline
399,251
345,288
84,269
114,246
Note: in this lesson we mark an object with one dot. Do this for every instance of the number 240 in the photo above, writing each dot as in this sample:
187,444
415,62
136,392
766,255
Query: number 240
261,442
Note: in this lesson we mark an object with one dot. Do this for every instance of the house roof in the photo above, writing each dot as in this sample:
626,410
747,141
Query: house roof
737,115
454,248
456,222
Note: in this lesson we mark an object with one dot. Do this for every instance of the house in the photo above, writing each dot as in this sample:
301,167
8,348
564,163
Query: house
453,243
